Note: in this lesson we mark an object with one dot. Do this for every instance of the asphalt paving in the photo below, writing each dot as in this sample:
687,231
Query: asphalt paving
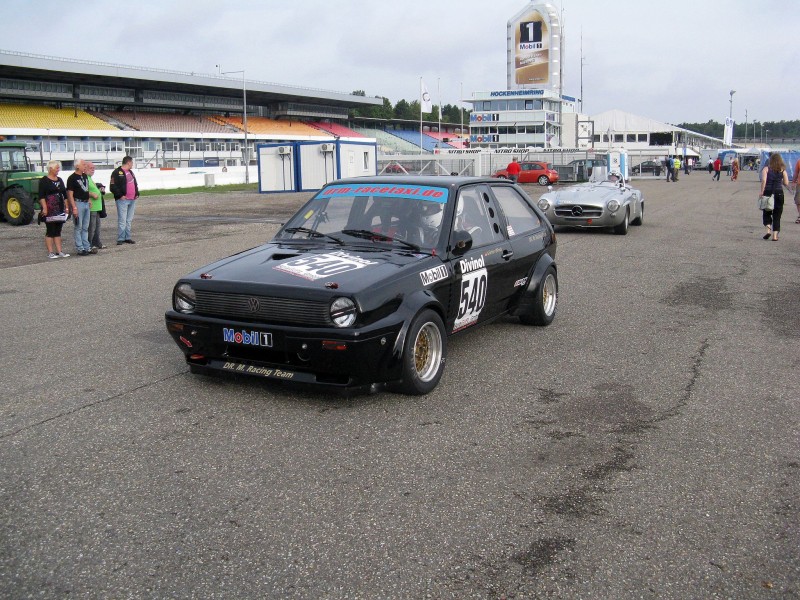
645,445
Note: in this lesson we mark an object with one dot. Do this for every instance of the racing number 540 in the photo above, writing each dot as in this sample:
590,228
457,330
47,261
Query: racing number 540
473,294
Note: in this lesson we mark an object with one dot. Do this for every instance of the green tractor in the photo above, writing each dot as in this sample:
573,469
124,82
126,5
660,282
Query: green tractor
19,186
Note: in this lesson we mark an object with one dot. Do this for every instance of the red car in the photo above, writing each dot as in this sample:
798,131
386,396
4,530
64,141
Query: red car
532,172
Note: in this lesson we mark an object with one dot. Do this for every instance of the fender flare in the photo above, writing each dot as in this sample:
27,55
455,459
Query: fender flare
534,281
411,306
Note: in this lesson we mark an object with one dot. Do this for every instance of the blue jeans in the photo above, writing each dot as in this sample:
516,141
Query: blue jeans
125,210
82,228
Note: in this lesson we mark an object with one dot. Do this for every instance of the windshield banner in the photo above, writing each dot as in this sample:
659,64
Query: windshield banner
408,191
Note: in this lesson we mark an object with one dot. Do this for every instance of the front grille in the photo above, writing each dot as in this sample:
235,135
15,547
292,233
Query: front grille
583,211
263,309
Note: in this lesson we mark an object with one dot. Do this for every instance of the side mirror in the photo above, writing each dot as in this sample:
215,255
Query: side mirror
461,242
549,188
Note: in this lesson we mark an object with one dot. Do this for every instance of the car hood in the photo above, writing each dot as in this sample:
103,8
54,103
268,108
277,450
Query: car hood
314,270
588,193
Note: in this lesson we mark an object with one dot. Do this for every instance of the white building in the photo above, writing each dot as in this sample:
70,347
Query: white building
517,118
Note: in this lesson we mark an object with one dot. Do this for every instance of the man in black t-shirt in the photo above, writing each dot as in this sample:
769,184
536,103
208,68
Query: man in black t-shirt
78,198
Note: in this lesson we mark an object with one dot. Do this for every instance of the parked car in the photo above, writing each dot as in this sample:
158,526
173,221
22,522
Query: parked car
648,166
363,286
585,166
532,172
610,203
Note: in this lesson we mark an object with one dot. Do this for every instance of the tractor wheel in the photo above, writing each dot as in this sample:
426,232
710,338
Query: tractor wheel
17,206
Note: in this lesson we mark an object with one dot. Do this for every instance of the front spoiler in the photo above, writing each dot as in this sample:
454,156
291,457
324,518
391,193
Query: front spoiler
339,358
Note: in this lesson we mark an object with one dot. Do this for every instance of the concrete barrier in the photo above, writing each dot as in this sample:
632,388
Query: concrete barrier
170,179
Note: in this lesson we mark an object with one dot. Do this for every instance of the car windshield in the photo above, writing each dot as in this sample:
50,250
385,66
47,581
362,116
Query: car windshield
403,215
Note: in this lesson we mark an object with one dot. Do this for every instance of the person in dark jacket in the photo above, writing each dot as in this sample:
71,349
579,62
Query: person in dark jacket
773,180
126,191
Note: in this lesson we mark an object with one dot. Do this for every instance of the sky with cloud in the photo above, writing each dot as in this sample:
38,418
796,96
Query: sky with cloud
673,62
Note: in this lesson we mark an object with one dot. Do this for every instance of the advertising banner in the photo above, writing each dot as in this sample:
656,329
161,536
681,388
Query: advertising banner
532,47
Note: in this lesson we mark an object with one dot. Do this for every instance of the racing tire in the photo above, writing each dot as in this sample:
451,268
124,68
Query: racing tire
424,354
545,301
543,180
622,228
17,206
640,219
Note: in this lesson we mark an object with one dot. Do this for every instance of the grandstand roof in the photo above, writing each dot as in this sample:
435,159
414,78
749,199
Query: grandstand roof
20,65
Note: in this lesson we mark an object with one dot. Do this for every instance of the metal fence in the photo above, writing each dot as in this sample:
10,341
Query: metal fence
571,165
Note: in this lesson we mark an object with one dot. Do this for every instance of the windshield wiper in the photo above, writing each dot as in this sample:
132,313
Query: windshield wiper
373,235
312,233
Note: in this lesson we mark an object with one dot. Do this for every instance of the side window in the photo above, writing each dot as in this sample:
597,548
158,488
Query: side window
520,216
475,215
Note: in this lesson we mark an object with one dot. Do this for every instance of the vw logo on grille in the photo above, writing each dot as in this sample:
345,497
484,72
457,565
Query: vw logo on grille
253,304
577,211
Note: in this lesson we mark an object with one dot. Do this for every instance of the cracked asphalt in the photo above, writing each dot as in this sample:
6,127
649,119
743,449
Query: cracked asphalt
645,445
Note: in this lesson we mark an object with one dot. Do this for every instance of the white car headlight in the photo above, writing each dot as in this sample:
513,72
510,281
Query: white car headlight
343,312
543,203
184,298
613,205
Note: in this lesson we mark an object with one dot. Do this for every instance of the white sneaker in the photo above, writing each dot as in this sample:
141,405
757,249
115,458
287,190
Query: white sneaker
51,255
62,255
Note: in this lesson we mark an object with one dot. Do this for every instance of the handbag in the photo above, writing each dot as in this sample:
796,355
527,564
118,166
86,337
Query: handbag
103,214
55,209
765,203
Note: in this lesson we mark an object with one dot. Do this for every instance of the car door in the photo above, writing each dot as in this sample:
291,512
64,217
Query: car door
527,233
527,173
481,283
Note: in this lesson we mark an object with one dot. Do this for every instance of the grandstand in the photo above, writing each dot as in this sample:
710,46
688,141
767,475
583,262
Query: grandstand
24,116
159,121
388,143
336,130
64,109
414,138
446,140
285,129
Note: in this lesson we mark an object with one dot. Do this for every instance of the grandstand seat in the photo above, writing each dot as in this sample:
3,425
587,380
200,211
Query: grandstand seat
426,142
265,126
158,121
336,129
24,116
387,142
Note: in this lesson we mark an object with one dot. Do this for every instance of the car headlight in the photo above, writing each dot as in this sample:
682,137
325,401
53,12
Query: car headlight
184,298
613,205
343,312
543,203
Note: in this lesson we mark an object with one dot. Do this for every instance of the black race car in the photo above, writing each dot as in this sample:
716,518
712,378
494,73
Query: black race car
366,282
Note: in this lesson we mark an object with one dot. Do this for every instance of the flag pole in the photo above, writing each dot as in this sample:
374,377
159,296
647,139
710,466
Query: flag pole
439,91
420,115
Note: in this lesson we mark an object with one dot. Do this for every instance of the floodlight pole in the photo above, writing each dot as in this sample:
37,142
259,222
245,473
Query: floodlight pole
246,153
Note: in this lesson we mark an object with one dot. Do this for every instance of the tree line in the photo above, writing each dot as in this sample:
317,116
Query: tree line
451,113
409,111
777,129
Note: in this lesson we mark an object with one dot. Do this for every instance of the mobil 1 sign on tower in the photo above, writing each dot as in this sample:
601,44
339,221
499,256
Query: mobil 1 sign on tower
534,39
365,284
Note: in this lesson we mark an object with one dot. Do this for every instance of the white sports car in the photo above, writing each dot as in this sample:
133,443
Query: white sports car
610,203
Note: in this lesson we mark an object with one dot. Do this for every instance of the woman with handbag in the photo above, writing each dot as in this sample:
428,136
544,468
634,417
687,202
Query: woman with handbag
773,178
52,198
